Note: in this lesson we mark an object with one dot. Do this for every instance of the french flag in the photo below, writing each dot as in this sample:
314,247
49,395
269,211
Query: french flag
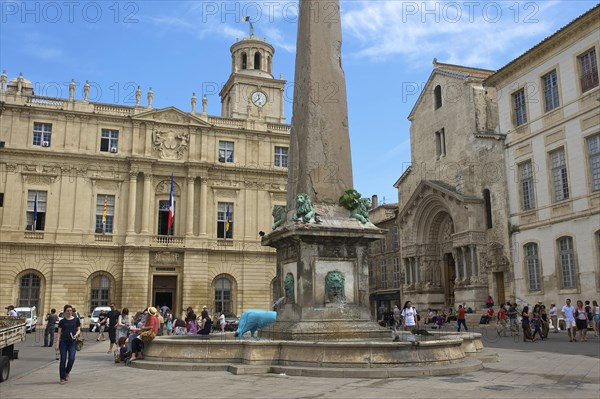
171,219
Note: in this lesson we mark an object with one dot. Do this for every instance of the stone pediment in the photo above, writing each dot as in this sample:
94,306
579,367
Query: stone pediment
171,115
440,189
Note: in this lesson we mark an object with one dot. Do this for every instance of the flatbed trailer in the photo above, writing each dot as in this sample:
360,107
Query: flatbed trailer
12,331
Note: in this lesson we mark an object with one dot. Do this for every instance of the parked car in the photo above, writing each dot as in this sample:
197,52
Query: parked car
61,316
30,314
96,313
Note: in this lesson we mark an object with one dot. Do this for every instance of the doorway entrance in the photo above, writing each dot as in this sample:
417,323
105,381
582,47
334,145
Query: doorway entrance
164,290
451,276
499,277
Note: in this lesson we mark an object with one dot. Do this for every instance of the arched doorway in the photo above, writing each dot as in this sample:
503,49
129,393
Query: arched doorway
29,290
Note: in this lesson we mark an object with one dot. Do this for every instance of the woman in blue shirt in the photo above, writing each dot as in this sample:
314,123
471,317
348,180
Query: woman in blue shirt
69,329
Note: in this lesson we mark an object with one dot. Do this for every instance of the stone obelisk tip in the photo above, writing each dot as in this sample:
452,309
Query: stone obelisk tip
320,161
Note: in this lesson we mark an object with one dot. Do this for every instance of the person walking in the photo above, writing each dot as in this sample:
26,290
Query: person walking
553,312
526,325
568,313
514,321
409,317
545,321
123,324
596,312
102,319
222,321
113,320
461,320
536,322
51,320
69,329
581,321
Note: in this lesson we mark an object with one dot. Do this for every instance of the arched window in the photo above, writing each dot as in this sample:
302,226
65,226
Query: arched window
437,92
534,275
567,262
269,65
244,61
488,208
29,290
257,60
100,291
223,301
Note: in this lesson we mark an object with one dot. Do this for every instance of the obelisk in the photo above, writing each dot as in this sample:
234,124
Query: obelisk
321,164
322,252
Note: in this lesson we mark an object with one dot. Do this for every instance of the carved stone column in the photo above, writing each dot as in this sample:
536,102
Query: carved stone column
463,259
132,200
474,271
418,269
456,265
203,204
147,205
189,216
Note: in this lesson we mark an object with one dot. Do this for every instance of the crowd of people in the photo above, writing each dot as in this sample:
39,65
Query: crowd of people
533,323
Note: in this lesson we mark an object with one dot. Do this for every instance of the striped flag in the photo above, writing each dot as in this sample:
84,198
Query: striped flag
245,19
35,201
171,219
104,213
227,216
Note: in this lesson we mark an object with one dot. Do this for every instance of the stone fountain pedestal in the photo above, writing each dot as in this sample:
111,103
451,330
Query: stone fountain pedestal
314,308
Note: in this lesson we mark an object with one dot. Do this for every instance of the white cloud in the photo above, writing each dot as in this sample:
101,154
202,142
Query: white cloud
471,33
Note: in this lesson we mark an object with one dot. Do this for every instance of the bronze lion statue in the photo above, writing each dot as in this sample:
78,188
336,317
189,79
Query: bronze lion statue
304,209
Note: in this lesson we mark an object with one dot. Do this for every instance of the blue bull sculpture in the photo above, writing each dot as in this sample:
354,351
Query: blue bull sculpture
251,320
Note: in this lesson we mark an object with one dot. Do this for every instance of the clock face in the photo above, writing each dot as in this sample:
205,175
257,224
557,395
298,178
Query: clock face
259,98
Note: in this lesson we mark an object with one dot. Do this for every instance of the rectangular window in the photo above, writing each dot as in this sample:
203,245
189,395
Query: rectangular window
36,210
519,107
550,84
526,177
104,219
163,218
383,245
588,70
567,262
42,134
109,142
396,273
226,151
533,267
281,157
383,274
559,175
594,159
395,238
225,220
371,278
1,200
440,143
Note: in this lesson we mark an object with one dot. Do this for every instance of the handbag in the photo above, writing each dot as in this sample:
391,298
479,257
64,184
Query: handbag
147,336
79,344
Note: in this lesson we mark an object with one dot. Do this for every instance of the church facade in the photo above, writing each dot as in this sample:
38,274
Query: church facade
452,199
86,193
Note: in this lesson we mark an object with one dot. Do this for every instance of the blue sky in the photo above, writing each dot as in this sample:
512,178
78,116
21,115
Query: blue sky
180,47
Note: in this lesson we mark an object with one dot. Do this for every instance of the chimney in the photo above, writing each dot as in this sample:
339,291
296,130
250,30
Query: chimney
374,202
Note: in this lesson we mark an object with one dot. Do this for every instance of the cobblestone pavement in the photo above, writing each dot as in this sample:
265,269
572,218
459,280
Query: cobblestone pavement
540,374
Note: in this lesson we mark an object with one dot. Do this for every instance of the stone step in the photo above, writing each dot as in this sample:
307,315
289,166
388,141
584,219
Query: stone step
470,364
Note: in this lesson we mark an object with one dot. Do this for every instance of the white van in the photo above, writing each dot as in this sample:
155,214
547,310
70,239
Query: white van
96,313
30,315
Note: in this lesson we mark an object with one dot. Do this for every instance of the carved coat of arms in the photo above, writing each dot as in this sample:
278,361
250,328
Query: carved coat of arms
170,144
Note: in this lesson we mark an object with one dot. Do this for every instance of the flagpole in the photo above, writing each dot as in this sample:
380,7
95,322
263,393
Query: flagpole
35,210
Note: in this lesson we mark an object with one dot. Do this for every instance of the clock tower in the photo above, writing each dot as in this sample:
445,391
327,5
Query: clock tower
251,91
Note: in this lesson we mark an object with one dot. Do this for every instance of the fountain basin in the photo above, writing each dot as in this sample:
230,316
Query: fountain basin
375,353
